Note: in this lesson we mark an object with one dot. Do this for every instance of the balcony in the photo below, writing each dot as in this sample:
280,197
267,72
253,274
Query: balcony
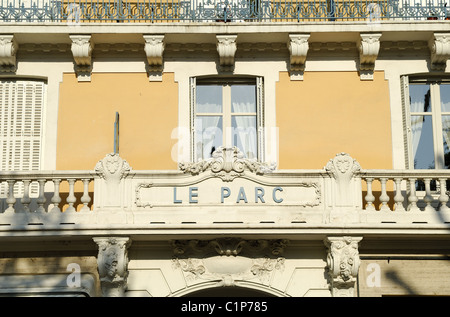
226,192
170,11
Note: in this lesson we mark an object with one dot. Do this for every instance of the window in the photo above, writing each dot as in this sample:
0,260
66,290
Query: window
427,122
226,113
21,117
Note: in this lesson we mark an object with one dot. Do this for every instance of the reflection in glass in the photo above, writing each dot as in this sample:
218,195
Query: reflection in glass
420,98
243,98
422,135
445,97
244,135
208,135
209,99
446,140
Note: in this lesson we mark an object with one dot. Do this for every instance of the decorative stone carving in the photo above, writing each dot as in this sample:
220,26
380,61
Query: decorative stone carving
154,49
8,50
343,168
228,260
439,46
298,49
82,50
113,264
227,163
226,47
369,46
342,264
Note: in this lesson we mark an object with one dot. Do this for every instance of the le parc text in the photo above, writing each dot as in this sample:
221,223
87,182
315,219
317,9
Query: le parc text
226,195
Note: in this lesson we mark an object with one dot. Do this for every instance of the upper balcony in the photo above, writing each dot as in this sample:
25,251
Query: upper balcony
207,11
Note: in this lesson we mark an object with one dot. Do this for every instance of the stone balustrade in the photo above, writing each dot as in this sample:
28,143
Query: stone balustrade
229,186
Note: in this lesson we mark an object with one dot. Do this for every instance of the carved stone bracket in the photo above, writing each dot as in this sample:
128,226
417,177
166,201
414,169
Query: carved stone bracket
439,46
369,46
298,48
113,264
154,49
342,264
82,50
226,47
8,50
227,163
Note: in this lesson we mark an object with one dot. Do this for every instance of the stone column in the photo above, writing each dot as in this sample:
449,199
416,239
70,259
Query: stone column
112,264
342,264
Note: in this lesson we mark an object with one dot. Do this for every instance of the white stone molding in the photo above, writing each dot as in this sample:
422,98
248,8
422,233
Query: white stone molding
82,47
111,170
228,261
113,264
154,49
298,49
345,187
343,264
8,50
227,163
369,46
439,45
226,47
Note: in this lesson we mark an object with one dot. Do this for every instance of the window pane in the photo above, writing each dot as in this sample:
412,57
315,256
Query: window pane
243,98
420,98
244,135
209,99
446,140
422,135
208,135
445,97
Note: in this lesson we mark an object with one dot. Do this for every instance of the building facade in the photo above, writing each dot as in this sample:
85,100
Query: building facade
233,148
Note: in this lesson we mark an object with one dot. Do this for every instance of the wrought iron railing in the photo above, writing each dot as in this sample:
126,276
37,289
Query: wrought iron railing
151,11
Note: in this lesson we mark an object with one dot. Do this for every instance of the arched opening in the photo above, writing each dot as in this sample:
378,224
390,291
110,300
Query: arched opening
228,292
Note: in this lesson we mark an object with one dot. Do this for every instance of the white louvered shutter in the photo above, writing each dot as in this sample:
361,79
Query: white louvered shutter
21,120
404,81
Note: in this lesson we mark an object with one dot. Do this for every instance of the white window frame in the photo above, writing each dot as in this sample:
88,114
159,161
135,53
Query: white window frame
436,115
227,114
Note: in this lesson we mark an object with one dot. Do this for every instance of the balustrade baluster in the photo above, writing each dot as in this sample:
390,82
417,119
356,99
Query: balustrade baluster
56,199
384,198
10,200
71,199
85,199
370,198
398,195
428,198
443,197
26,200
41,199
412,198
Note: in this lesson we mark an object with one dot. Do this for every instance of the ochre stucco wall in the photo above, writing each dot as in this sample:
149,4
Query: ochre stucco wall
148,114
332,112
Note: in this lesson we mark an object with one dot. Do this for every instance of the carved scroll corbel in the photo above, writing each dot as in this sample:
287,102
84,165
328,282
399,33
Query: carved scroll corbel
8,50
369,46
82,50
298,49
439,45
226,47
112,264
343,264
154,49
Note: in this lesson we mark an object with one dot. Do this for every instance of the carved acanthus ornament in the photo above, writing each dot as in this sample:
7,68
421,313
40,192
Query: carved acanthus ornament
439,46
8,50
154,49
227,163
226,47
82,52
228,260
343,264
113,264
112,168
369,46
298,49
